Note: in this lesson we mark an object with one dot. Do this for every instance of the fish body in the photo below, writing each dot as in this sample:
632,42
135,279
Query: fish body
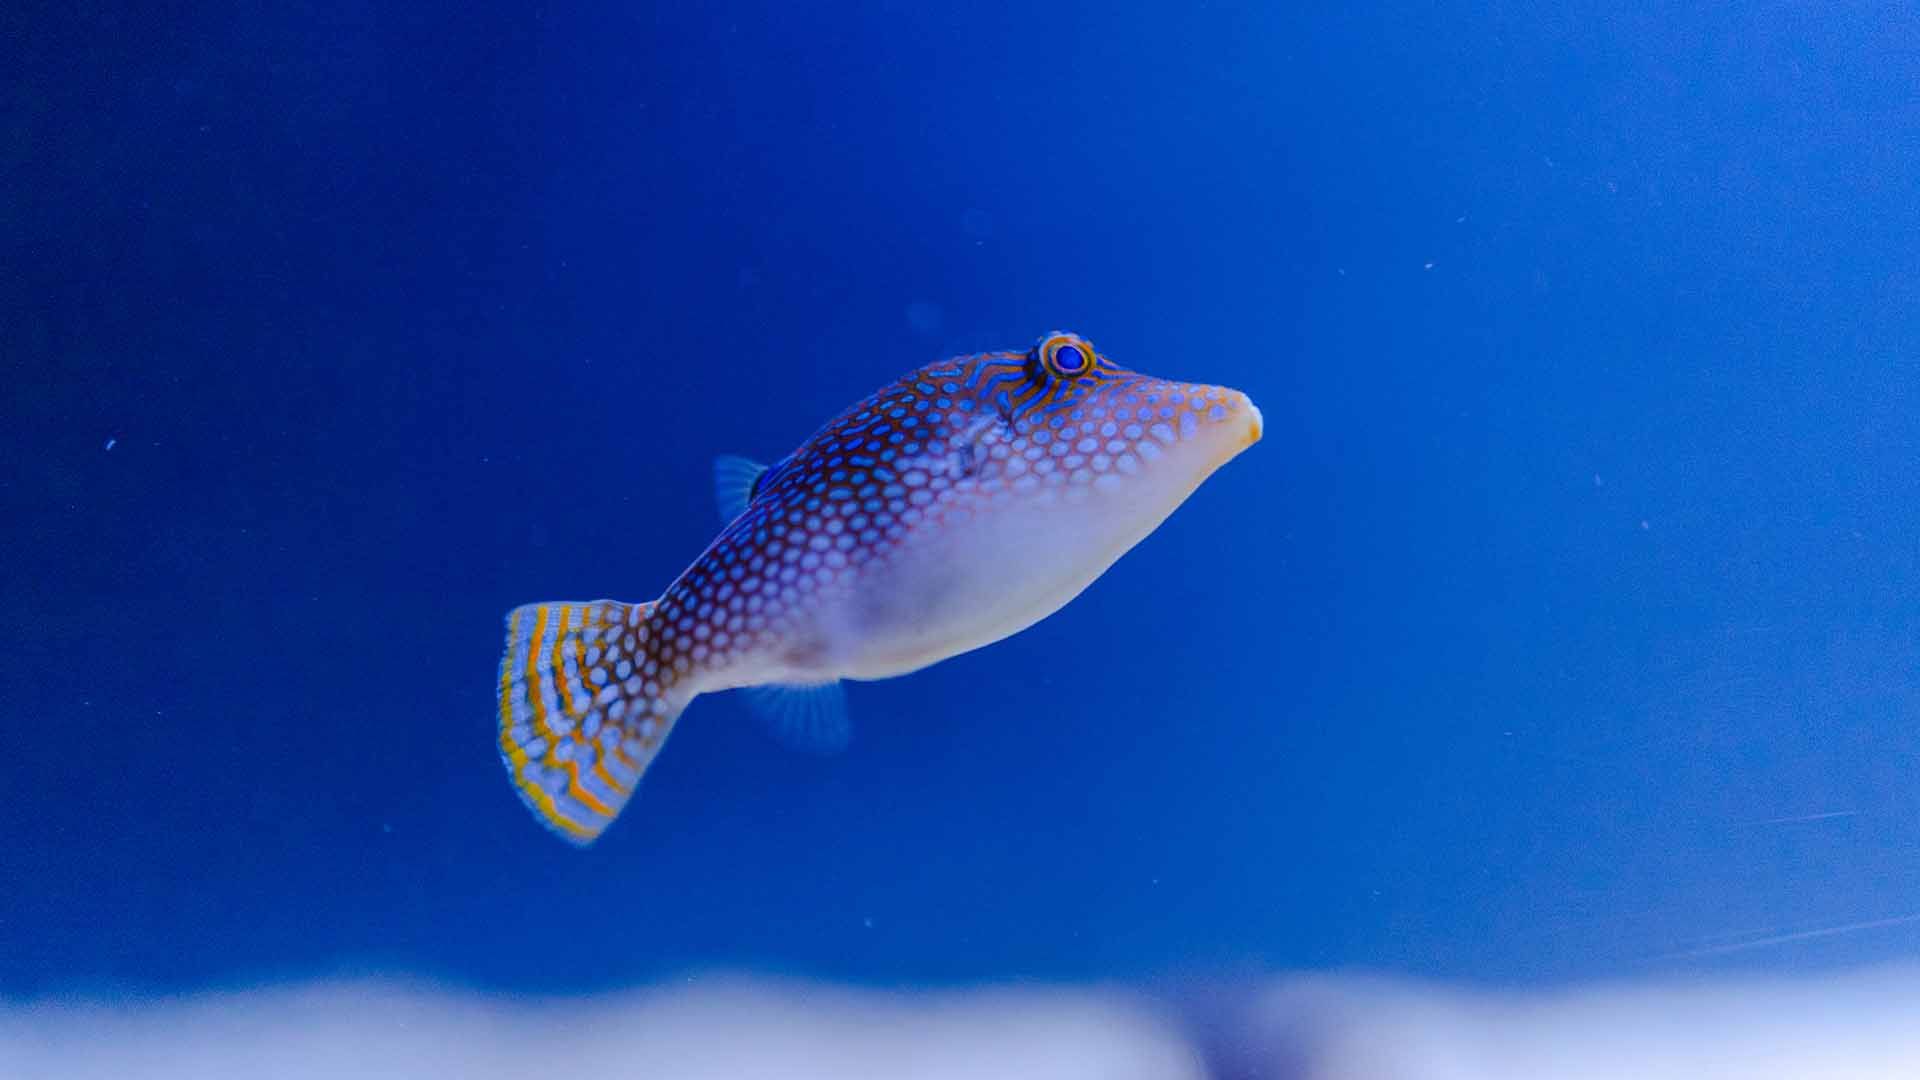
960,504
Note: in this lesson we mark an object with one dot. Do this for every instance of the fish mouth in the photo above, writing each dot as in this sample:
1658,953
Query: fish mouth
1244,429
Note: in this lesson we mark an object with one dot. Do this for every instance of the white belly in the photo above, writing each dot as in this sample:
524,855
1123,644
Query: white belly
958,587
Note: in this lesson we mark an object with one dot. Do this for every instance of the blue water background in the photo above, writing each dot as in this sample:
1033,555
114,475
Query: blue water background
1580,549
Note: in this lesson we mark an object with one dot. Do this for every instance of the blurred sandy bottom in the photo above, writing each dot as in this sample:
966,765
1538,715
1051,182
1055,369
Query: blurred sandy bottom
1865,1024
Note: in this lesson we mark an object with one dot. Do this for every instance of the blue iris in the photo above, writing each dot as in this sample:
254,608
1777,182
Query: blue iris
1070,358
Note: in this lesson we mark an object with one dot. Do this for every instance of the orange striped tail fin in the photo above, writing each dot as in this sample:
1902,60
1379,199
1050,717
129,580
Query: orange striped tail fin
582,710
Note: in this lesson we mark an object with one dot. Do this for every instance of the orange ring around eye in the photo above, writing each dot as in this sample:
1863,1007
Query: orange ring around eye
1050,355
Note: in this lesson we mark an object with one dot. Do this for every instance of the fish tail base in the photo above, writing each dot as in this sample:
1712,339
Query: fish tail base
582,710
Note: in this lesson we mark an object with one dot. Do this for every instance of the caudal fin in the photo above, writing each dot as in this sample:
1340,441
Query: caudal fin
582,711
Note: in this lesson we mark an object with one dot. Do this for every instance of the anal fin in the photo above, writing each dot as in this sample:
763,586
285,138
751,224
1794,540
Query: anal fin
810,719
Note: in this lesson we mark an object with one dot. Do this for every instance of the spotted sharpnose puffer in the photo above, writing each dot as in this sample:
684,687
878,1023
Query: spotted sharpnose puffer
958,505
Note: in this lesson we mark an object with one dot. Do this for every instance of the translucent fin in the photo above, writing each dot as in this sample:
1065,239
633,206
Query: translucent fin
733,481
577,726
811,719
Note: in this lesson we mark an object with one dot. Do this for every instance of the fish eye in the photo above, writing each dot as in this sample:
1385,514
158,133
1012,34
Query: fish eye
1066,356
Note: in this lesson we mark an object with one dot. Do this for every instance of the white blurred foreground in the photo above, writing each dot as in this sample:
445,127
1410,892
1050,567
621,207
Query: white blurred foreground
1314,1028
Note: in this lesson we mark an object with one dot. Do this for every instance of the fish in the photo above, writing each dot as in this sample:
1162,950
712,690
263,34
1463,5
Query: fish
952,508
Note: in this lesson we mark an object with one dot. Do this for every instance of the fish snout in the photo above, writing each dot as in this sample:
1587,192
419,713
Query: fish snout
1236,424
1254,424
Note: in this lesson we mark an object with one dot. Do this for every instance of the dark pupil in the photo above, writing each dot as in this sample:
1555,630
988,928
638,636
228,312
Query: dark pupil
1070,358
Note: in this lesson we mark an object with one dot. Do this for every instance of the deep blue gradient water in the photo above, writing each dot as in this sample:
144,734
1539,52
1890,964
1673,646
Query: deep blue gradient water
1579,554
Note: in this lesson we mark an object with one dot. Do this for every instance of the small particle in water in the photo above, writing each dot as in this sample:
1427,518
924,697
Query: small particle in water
867,922
1644,526
1429,266
110,441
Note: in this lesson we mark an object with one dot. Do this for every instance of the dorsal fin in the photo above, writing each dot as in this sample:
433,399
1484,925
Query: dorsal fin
734,481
